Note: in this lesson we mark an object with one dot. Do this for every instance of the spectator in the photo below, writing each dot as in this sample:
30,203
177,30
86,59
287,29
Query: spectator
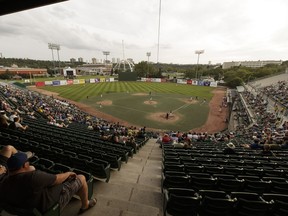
13,116
266,150
255,145
3,121
5,153
166,139
230,149
17,125
28,188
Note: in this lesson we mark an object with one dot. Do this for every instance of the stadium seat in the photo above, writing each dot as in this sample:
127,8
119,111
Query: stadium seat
99,169
229,185
175,182
89,180
53,211
216,206
250,207
181,202
200,183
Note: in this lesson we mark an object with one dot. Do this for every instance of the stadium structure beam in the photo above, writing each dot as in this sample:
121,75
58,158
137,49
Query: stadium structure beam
12,6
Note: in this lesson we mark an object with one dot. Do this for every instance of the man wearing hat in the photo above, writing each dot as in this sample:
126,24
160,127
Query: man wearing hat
5,153
28,188
230,149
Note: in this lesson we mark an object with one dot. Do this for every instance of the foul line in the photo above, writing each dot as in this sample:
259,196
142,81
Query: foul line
183,106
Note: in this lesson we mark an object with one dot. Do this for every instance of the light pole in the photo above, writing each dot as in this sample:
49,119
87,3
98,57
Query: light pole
58,48
198,52
54,47
106,53
148,55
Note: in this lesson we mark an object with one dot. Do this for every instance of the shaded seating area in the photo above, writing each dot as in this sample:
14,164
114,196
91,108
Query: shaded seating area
215,183
83,150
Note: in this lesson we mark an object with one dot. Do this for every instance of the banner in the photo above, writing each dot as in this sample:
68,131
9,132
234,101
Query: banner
48,83
181,81
76,81
213,84
63,82
81,81
56,82
92,80
189,82
39,84
69,82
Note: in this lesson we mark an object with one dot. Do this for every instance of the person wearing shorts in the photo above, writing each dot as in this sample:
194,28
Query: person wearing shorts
28,188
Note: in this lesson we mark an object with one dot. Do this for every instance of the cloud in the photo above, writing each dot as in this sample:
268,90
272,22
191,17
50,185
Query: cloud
226,29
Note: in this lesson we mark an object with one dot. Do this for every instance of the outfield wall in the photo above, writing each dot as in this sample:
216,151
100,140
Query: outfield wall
111,79
183,81
73,82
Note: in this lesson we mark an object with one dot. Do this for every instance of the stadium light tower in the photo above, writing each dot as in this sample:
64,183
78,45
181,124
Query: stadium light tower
53,46
106,53
148,55
198,52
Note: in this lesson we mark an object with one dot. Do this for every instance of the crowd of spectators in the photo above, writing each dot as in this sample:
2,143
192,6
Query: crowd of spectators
59,113
278,93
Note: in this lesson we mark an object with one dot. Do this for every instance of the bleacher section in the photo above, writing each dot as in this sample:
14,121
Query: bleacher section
80,149
205,181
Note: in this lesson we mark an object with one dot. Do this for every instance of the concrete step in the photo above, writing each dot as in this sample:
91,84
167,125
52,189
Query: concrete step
107,206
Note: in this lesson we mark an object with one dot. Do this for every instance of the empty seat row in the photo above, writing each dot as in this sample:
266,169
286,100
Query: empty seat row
184,202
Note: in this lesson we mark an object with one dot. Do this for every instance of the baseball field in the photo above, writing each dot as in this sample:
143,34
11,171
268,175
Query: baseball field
163,106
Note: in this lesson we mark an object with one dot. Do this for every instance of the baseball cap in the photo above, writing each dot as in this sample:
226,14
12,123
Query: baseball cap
16,161
230,145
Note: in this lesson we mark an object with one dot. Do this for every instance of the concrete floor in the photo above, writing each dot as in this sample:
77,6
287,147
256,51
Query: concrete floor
135,190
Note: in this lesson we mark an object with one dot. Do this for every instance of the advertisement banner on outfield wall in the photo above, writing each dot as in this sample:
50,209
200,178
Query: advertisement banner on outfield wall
194,82
39,84
87,80
189,82
200,83
213,84
56,82
97,80
69,82
206,83
63,82
155,80
181,81
76,81
48,83
143,79
102,79
112,79
148,79
107,79
163,80
81,81
92,80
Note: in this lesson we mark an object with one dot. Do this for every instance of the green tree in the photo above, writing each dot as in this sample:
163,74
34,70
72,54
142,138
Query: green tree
236,81
143,69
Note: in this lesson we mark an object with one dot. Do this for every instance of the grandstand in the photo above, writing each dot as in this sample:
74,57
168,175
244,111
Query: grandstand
143,179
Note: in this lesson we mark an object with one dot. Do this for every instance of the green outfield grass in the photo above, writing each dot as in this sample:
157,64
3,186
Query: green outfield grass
136,109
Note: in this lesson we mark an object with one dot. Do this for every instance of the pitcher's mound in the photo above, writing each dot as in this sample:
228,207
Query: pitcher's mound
161,117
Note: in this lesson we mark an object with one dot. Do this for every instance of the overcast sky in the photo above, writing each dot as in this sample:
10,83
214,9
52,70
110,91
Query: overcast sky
228,30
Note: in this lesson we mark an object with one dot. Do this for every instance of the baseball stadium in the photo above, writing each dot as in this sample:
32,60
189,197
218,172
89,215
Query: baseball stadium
129,144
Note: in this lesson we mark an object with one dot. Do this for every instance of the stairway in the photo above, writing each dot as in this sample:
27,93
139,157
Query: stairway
135,190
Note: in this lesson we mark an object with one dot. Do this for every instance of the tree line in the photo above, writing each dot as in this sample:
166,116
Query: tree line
232,77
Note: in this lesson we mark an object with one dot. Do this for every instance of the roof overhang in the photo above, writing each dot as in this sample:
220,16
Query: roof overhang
12,6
